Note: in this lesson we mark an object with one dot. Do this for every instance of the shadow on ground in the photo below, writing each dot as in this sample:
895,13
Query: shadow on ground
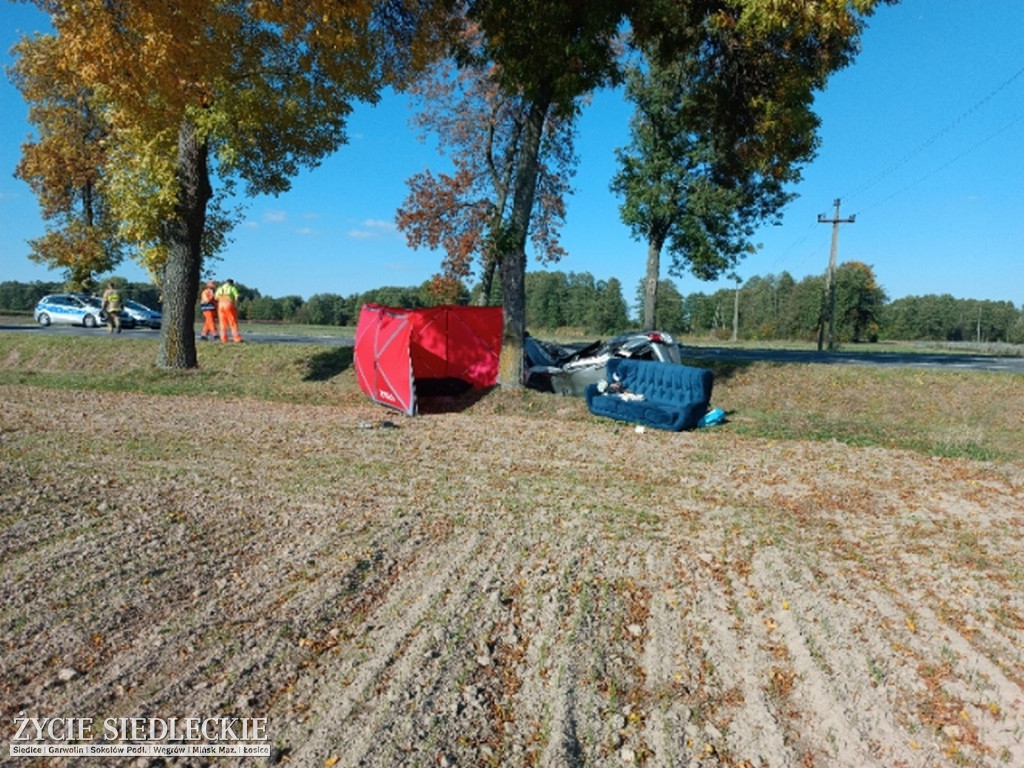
327,364
441,402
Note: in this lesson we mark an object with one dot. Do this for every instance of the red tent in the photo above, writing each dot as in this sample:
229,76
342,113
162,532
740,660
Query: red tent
398,349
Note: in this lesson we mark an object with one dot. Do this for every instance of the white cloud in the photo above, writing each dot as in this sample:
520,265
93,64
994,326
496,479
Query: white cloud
371,229
275,217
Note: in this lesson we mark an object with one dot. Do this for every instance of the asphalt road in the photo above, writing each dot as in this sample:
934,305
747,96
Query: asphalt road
945,360
937,360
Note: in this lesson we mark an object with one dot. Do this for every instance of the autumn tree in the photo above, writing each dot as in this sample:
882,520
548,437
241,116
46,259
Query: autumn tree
764,60
194,92
63,167
480,126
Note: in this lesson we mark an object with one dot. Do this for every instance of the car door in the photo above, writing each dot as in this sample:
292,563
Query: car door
66,309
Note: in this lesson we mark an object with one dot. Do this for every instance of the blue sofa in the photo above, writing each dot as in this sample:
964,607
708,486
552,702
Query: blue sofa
674,397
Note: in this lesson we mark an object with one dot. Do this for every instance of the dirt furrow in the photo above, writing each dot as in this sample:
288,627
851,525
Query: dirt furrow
479,590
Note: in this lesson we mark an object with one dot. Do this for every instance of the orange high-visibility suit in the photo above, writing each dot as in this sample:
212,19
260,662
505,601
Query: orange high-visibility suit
208,303
227,311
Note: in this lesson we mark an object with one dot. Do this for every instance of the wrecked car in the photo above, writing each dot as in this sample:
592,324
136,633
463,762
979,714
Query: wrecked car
568,369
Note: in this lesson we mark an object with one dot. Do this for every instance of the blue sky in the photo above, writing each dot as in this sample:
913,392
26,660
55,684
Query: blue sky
922,140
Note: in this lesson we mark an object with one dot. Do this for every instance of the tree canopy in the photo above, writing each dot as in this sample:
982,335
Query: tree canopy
480,127
196,96
64,166
722,122
761,62
247,91
684,189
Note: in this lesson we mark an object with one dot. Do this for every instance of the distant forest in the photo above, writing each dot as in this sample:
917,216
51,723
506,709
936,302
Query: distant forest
776,307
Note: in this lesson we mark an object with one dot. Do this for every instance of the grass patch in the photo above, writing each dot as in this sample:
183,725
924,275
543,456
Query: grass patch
964,414
943,413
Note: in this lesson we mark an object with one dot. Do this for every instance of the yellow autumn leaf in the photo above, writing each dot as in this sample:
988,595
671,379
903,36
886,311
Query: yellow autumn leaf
332,760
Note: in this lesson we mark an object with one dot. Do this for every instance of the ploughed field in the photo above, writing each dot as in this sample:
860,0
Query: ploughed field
489,588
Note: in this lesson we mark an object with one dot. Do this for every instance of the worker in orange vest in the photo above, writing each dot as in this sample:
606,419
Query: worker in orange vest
227,311
208,303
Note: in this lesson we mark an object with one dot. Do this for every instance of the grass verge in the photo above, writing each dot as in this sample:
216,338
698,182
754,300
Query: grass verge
976,415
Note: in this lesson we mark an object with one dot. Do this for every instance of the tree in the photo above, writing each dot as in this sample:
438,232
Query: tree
480,127
807,306
698,313
670,310
785,319
684,189
697,184
764,60
547,296
859,301
64,167
609,312
552,54
761,307
22,297
247,90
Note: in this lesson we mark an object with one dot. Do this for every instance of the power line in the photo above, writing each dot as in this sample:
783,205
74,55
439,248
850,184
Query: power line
917,151
939,134
945,165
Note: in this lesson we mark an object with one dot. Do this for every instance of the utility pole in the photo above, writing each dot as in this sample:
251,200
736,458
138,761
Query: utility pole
736,308
830,277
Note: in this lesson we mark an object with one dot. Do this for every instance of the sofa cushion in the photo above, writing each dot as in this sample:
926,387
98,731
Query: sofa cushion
673,396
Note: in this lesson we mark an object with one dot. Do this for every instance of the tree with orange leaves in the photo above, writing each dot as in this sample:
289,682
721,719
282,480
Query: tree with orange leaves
480,127
64,166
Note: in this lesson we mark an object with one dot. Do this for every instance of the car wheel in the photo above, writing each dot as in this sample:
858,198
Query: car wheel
89,321
43,319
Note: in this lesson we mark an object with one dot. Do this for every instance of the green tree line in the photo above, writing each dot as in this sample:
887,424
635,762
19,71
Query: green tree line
778,307
768,308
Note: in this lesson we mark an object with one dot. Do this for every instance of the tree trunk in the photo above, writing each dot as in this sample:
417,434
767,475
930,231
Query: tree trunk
491,257
487,280
654,244
513,247
183,237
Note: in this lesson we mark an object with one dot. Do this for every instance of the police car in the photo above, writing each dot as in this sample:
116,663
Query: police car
75,309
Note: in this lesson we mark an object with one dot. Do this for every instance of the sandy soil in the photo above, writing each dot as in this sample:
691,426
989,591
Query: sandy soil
484,588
